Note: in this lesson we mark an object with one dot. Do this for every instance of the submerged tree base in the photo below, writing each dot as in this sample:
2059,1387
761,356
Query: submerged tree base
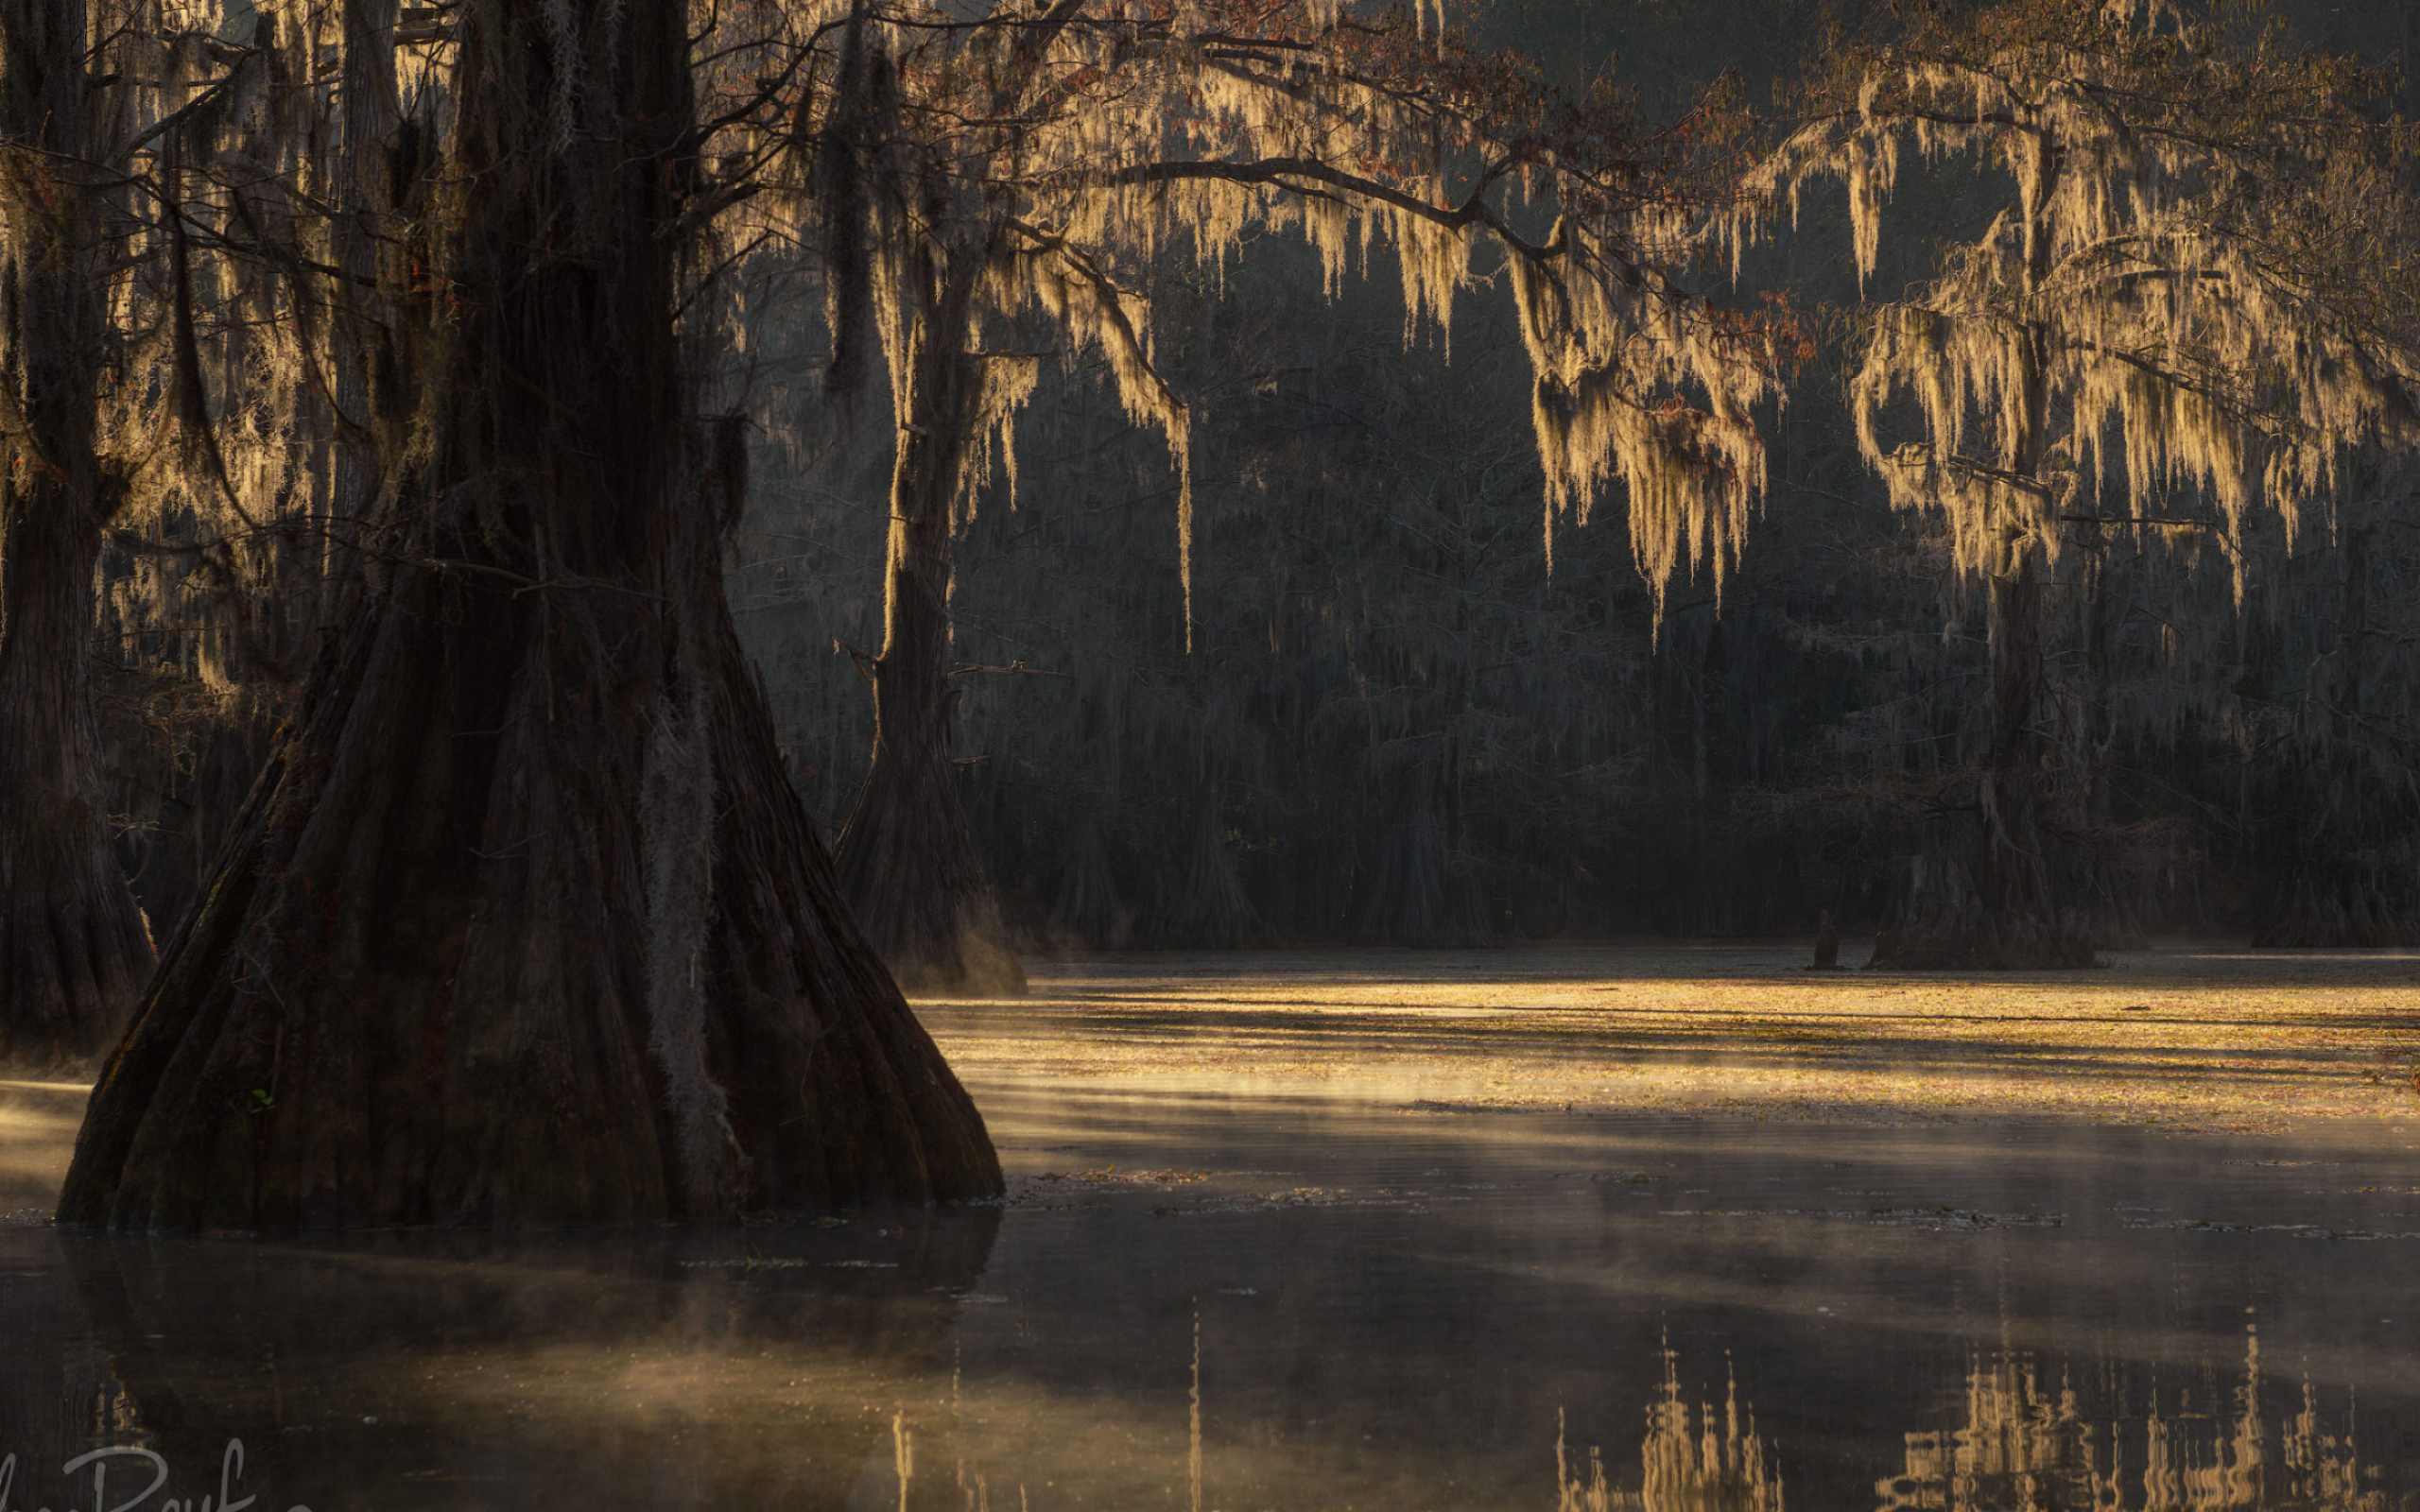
931,918
1089,912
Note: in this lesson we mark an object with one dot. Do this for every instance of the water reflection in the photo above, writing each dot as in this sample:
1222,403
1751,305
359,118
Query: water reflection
1684,1465
1728,1320
813,1369
2024,1446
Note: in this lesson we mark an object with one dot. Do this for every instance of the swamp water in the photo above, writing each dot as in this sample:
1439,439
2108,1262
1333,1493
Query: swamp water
1250,1293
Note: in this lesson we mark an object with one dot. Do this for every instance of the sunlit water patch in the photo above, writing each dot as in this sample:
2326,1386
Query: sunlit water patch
2192,1037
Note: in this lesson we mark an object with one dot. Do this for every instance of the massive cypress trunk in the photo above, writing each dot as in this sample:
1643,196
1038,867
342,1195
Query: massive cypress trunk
907,864
524,923
73,950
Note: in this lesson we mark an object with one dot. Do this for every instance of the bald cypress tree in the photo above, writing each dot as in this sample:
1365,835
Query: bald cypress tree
523,924
2162,332
1041,166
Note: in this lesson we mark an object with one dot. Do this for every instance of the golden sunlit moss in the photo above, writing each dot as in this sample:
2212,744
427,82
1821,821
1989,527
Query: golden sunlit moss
2184,297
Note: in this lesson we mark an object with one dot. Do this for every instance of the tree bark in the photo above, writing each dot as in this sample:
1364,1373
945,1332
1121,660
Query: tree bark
74,948
524,923
907,864
190,805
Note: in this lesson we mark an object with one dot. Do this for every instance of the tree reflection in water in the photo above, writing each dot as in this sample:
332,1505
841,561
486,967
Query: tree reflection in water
1686,1462
2024,1445
648,1370
2026,1448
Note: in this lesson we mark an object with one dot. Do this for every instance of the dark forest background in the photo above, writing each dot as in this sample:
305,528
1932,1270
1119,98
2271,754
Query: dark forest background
1403,728
1395,723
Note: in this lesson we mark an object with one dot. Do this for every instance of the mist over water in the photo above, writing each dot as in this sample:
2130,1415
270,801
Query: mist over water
1254,1292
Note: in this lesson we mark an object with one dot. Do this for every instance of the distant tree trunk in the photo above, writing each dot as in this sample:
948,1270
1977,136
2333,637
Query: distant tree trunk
907,864
524,923
1419,893
1984,894
1981,895
2026,921
73,950
2346,843
196,809
1088,911
2109,908
1208,907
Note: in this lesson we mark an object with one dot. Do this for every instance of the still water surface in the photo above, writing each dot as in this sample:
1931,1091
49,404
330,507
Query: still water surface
1242,1301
